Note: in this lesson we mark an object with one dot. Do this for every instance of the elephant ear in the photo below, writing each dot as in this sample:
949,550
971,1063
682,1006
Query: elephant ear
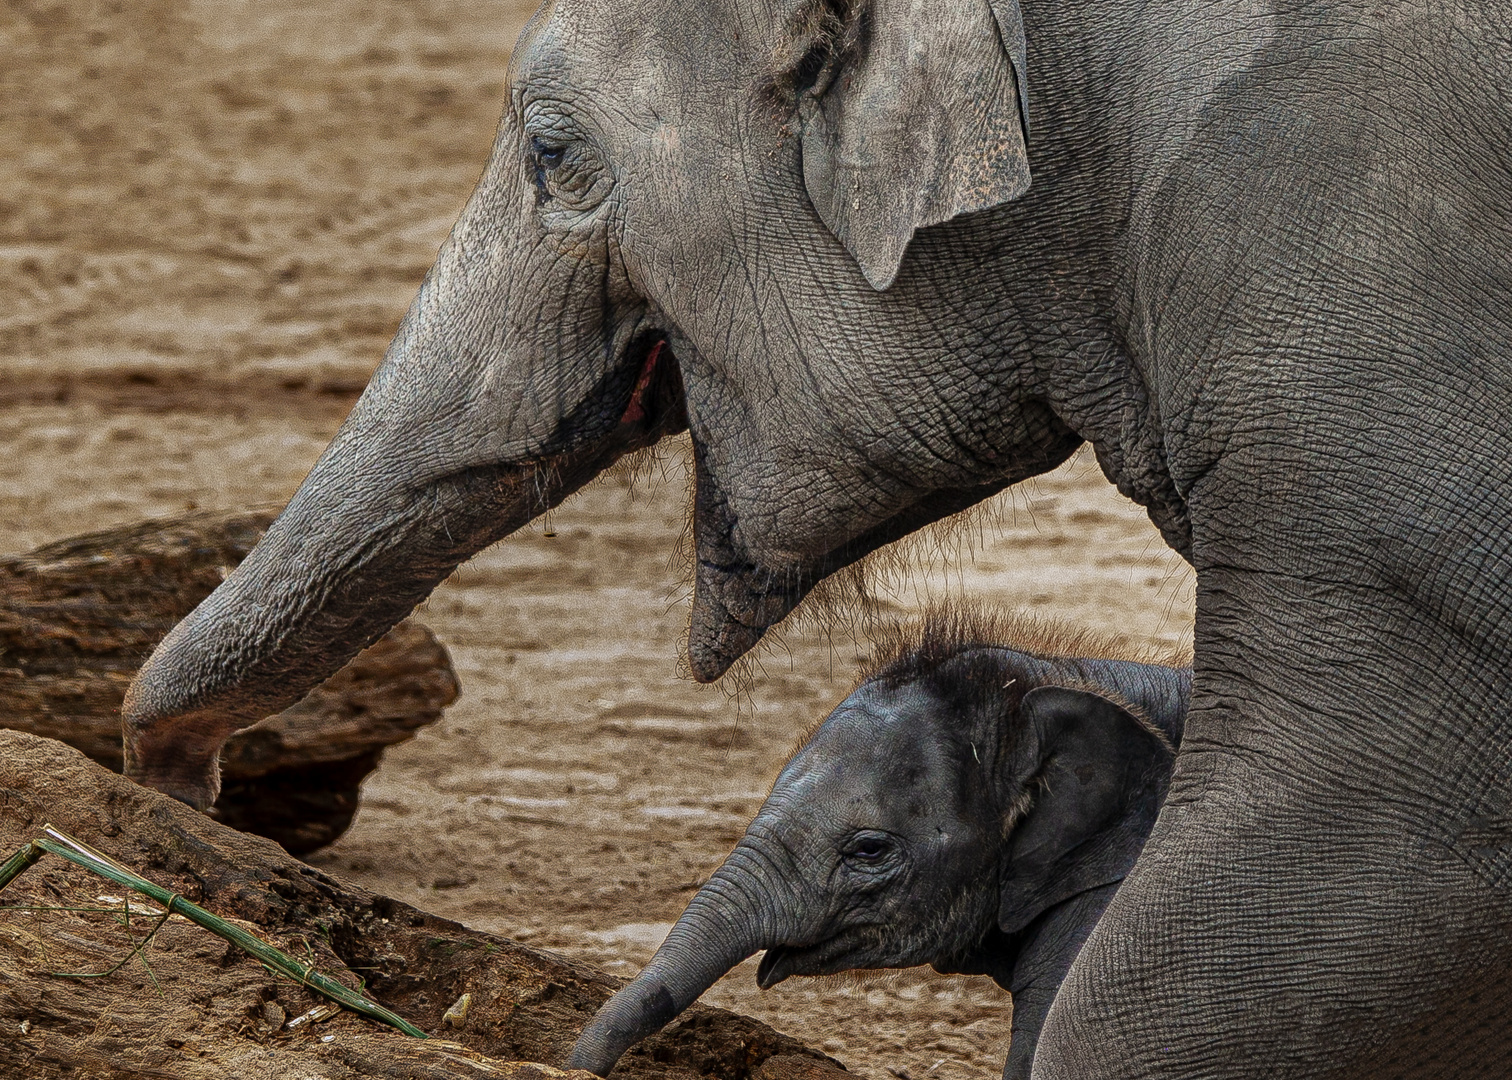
1095,775
919,117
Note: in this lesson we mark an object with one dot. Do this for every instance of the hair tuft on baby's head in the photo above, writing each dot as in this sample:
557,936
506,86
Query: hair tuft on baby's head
913,649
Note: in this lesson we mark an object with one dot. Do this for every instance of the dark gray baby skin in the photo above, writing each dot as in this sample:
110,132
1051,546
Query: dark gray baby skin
970,806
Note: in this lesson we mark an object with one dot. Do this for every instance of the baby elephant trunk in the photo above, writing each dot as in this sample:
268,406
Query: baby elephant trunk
722,926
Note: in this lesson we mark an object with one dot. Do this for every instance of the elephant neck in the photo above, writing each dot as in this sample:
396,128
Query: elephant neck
1113,115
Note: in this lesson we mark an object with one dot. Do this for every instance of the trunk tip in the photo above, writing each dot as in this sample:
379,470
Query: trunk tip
168,748
624,1020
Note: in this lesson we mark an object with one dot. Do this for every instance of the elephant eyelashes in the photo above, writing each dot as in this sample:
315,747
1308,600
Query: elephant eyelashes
567,173
869,851
545,157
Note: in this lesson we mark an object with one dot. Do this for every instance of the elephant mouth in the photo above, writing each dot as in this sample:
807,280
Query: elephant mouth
656,405
637,403
658,386
781,962
776,965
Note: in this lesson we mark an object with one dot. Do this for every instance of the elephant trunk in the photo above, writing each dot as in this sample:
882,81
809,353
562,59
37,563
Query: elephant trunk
729,920
510,384
344,563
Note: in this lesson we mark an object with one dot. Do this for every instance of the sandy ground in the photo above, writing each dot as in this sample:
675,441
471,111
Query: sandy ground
212,215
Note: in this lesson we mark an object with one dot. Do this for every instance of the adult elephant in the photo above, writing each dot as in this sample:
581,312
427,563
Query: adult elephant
1265,269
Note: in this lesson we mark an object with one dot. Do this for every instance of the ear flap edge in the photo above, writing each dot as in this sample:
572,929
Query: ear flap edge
1103,775
928,122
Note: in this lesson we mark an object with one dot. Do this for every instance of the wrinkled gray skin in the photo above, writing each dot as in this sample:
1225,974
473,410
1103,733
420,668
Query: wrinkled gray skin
974,812
1264,268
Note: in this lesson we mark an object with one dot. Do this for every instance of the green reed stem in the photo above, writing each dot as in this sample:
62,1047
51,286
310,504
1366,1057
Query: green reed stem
81,854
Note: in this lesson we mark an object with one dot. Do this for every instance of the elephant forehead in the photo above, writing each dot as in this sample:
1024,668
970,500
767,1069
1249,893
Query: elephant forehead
574,44
879,745
622,46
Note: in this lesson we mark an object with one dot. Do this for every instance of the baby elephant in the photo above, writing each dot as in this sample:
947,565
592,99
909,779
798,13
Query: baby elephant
971,806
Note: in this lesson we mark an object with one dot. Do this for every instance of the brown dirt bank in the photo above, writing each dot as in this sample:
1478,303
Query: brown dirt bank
182,1002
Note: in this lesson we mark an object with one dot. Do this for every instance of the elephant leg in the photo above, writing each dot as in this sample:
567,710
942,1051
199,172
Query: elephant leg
1030,1006
1044,955
1235,951
1311,902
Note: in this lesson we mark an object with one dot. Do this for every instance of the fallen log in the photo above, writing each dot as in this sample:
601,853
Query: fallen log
198,1008
78,617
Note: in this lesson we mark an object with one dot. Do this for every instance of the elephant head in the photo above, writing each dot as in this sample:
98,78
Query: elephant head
688,220
970,806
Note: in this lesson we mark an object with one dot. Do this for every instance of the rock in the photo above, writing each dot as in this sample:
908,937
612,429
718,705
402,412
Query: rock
78,617
206,1010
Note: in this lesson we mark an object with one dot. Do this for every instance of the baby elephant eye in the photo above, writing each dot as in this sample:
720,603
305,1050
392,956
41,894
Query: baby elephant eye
869,849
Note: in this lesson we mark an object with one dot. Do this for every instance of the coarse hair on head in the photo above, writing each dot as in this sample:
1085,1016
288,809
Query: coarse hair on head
970,657
816,32
907,650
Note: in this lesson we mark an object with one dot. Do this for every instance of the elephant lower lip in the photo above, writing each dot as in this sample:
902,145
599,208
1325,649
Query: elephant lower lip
772,969
736,597
782,962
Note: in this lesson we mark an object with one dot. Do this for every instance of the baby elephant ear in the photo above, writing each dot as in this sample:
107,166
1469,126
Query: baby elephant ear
1096,776
922,117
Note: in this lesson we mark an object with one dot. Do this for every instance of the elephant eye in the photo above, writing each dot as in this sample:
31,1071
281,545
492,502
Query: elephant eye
869,849
568,175
545,156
